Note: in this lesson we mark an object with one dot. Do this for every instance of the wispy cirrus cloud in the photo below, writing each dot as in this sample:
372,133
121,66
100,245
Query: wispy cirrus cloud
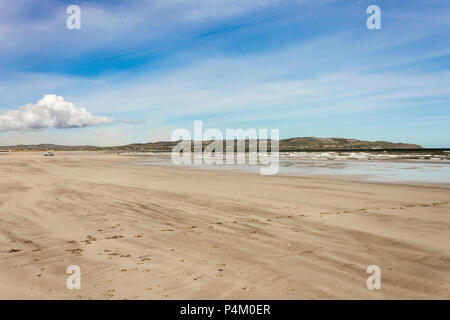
30,27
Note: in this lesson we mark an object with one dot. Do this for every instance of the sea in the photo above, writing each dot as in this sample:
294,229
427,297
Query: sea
383,166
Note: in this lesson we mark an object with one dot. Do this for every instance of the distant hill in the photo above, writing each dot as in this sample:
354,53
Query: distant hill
341,143
292,144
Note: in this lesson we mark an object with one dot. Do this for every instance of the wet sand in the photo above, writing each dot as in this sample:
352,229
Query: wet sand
154,232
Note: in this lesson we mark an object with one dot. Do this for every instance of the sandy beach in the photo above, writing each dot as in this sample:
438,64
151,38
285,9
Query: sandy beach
154,232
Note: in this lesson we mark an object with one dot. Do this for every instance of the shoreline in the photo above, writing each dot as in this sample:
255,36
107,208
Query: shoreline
298,169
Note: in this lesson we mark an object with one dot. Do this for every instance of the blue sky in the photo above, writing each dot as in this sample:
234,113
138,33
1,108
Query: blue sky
306,67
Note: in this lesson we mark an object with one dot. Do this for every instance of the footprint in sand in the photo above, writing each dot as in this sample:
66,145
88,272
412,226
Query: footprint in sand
113,237
76,252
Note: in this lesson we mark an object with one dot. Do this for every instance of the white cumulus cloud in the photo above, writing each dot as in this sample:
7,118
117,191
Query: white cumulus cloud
50,112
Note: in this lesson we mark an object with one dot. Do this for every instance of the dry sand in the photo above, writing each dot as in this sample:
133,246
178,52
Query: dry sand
175,233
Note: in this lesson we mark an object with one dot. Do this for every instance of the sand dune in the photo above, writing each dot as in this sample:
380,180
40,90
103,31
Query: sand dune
174,233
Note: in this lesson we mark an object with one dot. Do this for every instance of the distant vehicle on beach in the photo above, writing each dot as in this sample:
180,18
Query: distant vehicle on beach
49,154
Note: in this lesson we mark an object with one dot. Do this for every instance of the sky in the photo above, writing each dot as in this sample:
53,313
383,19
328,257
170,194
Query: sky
137,70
